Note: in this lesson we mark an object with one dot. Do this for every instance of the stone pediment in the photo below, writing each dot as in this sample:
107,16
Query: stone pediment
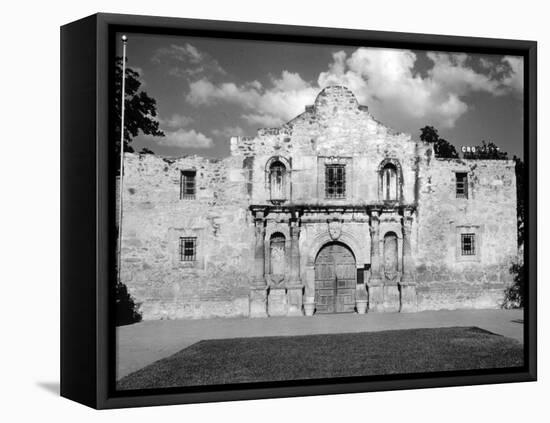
336,97
335,124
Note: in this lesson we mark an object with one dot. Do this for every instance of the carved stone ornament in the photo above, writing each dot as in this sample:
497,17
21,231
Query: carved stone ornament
335,229
275,280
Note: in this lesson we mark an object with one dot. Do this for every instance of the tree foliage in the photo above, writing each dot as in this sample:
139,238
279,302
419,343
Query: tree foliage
140,109
140,115
146,150
443,149
486,151
521,191
126,309
514,295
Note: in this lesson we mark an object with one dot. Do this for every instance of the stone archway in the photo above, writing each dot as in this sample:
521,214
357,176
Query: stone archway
335,279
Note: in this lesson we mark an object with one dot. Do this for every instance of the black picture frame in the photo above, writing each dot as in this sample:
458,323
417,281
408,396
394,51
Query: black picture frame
87,223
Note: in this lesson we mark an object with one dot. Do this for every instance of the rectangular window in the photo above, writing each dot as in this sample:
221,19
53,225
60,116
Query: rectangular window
187,184
188,248
468,243
335,181
461,185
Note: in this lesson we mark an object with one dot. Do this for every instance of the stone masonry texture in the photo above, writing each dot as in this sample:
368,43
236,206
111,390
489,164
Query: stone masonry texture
234,214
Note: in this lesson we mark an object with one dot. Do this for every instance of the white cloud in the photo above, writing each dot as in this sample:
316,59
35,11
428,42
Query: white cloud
204,92
176,121
485,63
451,74
514,76
263,120
383,79
183,138
187,61
283,101
229,131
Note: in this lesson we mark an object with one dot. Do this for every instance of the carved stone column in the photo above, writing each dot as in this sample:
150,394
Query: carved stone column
309,297
392,275
376,275
294,252
408,284
294,286
258,291
375,285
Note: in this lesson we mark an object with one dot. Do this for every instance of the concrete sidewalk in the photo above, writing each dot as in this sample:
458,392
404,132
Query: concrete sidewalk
144,343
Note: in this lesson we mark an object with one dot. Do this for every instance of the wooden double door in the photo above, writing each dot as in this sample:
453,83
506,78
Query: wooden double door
335,279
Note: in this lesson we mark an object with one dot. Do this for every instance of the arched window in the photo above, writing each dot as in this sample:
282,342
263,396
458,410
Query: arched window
277,181
277,254
389,182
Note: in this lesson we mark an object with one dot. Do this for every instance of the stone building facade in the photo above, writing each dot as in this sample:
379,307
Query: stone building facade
331,212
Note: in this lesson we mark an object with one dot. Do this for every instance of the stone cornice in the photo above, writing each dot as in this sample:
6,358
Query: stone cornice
299,210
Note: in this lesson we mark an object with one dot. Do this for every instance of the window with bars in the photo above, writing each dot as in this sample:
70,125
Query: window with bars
187,184
461,185
188,248
335,181
468,244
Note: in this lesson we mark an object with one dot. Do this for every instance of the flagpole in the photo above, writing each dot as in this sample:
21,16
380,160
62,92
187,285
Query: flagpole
124,39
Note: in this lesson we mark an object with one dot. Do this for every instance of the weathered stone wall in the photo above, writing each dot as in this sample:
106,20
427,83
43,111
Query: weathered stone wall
446,279
229,269
217,284
336,126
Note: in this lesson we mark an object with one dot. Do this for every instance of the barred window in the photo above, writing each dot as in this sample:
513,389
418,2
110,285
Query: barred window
468,243
188,248
335,181
461,185
187,184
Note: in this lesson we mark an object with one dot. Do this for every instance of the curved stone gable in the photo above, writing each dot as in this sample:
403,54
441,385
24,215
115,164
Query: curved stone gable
335,120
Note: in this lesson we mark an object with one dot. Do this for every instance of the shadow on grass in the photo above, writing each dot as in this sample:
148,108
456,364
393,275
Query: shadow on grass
260,359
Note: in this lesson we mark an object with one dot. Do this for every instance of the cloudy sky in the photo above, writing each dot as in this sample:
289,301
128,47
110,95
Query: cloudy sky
210,89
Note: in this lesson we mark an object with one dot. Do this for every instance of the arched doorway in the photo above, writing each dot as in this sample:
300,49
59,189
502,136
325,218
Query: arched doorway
335,279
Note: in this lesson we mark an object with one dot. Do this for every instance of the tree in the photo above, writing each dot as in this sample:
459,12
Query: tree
126,310
514,295
443,149
140,110
521,191
139,115
146,150
486,151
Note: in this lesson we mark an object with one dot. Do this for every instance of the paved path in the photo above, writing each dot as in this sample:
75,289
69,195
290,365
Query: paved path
146,342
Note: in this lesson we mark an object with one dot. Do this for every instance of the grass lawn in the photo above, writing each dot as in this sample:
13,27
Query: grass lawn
275,358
